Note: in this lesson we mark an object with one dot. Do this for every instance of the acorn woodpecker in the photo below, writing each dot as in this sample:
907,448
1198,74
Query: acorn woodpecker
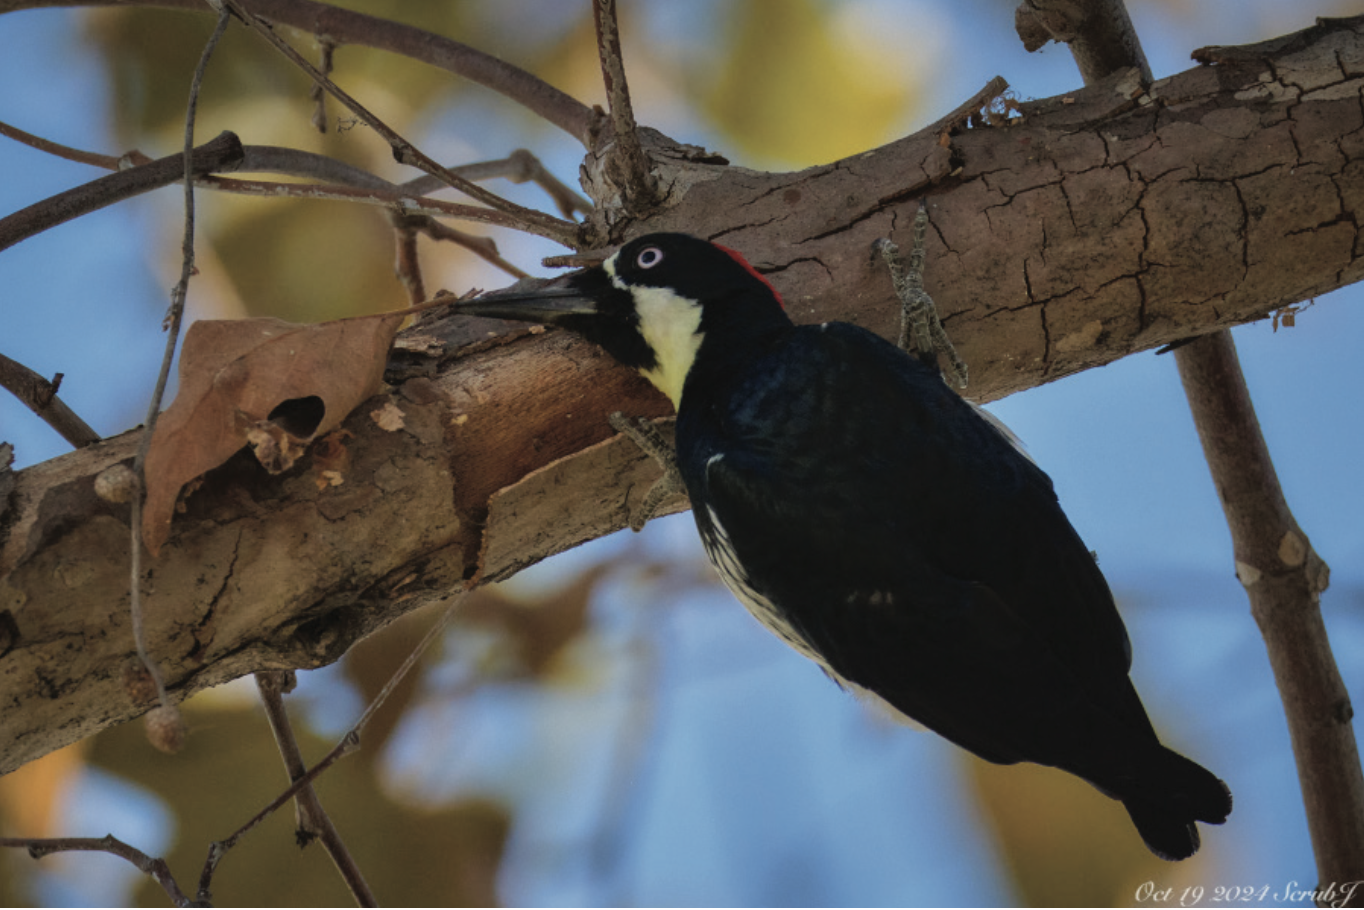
881,526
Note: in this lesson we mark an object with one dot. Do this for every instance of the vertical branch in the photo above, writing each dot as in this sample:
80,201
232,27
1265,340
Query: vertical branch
326,52
1284,578
629,165
1099,34
406,263
1282,575
313,820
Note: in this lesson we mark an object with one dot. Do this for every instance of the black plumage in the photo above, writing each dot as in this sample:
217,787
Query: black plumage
883,527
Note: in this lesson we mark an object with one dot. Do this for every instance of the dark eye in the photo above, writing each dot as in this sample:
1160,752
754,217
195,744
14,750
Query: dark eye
649,257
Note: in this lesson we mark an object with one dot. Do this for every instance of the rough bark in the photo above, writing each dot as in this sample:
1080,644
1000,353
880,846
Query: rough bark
1100,223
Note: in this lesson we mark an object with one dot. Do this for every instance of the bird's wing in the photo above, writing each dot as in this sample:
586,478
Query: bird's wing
875,505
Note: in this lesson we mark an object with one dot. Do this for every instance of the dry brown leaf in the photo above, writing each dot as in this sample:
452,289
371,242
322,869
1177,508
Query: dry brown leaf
273,384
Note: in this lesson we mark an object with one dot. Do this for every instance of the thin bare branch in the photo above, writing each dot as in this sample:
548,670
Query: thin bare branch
218,849
422,205
38,847
40,396
313,820
168,733
519,167
108,162
348,744
326,53
529,220
1281,573
1283,577
341,26
483,247
524,167
223,153
629,164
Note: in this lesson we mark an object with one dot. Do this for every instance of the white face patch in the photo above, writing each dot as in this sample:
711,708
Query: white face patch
671,327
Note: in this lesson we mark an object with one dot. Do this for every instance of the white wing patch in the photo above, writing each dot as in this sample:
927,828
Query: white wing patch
731,571
722,556
720,551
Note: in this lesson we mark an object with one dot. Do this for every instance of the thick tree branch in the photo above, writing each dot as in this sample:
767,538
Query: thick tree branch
1108,221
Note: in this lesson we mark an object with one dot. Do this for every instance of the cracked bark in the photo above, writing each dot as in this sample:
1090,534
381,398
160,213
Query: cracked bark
1105,222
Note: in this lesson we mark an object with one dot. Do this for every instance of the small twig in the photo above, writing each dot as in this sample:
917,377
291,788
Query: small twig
313,820
584,259
564,232
628,164
173,318
347,744
525,167
66,152
424,205
406,262
218,849
41,398
223,153
483,247
326,51
38,847
969,109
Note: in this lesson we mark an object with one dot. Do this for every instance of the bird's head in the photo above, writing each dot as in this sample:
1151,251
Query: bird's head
657,304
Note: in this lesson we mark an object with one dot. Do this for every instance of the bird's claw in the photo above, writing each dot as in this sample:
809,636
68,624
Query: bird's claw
919,322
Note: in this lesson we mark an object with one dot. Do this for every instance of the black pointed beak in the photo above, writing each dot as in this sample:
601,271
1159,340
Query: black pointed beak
551,302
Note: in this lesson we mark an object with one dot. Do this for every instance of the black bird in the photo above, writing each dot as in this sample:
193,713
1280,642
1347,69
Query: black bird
881,526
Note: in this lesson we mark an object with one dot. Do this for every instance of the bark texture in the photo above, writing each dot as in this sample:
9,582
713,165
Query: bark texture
1091,226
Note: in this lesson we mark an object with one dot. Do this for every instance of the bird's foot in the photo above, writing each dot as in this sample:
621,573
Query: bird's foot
919,322
651,441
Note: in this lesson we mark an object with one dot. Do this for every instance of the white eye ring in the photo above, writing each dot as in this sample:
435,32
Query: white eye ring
649,257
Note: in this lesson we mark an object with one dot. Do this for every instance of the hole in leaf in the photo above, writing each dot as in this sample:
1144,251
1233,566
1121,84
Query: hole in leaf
299,417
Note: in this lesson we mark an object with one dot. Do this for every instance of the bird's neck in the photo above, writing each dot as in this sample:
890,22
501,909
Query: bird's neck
687,340
731,340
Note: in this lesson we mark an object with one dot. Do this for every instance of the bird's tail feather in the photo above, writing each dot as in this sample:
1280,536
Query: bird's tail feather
1178,793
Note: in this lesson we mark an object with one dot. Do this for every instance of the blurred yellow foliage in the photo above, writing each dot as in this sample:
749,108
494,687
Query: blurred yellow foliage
794,90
